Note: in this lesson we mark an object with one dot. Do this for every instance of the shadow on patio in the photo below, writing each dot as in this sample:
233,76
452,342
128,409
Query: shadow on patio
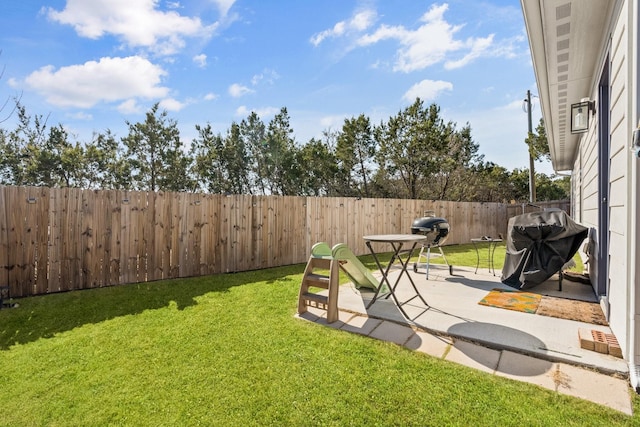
453,311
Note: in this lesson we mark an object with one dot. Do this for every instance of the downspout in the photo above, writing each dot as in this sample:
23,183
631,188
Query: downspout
634,362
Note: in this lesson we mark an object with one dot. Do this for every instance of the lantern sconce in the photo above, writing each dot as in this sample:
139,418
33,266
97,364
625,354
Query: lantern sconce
580,115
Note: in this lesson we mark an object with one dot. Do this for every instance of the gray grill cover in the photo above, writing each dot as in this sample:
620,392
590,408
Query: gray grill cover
538,245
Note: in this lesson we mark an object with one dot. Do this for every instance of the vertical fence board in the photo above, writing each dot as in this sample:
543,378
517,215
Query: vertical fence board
65,232
257,255
55,246
127,239
153,246
116,259
197,234
4,236
162,237
88,241
15,235
31,239
212,265
105,210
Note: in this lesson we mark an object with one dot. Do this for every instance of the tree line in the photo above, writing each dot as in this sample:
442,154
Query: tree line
414,154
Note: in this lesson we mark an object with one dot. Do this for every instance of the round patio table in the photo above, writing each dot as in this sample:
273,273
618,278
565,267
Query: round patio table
397,242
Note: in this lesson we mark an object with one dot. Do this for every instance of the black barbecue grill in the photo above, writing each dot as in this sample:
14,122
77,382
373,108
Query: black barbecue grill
436,230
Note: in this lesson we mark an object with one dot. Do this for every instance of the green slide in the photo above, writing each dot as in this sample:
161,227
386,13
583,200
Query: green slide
357,272
321,250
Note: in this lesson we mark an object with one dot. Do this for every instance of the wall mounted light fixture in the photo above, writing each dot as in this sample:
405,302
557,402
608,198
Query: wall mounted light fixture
580,115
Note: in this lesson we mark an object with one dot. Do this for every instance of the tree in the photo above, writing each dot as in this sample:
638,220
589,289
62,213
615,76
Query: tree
283,174
154,150
355,151
105,164
22,150
320,168
538,144
253,133
452,181
206,152
236,160
412,146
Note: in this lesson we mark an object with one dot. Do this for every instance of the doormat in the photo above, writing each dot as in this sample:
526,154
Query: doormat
561,308
512,300
582,311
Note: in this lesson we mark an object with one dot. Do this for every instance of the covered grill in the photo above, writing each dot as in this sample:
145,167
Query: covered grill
436,230
539,244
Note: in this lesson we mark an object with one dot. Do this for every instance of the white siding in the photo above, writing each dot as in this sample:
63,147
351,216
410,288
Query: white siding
585,179
619,209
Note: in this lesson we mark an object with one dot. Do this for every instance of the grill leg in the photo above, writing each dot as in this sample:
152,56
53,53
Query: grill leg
428,260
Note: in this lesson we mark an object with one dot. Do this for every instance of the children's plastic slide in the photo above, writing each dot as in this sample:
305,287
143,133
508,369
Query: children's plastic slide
359,274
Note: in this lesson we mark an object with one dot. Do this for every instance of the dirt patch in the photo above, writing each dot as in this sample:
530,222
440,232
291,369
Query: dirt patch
582,311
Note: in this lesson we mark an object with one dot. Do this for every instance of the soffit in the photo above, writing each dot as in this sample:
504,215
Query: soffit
566,39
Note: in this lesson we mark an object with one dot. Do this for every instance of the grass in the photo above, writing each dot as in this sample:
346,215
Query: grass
227,350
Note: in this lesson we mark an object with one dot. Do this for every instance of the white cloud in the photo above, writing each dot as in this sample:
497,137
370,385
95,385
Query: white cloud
244,111
81,115
237,90
130,106
224,6
359,22
171,104
139,23
108,80
427,90
332,122
268,76
200,60
431,43
479,47
210,96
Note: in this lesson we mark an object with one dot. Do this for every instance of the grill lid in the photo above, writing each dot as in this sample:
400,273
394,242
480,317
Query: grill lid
436,229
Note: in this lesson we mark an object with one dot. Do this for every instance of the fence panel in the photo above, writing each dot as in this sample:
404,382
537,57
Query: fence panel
61,239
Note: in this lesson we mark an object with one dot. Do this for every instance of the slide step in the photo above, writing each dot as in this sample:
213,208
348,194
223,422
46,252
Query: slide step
317,280
322,299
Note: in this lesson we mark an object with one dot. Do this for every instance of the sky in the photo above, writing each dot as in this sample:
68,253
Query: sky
94,65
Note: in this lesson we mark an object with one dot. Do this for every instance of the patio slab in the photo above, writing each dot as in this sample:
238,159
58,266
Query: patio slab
526,347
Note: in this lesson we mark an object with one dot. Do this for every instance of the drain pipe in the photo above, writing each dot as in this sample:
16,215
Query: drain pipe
634,368
634,375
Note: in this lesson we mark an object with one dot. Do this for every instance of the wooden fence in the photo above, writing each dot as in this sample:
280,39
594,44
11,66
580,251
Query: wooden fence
61,239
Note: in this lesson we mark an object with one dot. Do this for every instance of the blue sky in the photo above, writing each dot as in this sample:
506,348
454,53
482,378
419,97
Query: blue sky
92,65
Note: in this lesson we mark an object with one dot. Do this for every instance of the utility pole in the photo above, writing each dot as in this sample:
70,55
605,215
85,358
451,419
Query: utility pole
532,172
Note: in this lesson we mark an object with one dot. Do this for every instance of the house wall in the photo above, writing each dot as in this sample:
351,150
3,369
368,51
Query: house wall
619,200
617,302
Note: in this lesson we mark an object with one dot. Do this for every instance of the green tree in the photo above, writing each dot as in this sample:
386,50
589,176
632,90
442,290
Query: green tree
253,133
208,167
452,181
320,169
412,145
355,151
538,144
155,154
552,189
105,164
236,161
283,173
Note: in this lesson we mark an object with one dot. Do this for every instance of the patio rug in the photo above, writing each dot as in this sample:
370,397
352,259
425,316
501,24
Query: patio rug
582,311
528,302
512,300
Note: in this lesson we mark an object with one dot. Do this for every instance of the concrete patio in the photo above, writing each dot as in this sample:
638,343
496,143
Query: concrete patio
527,347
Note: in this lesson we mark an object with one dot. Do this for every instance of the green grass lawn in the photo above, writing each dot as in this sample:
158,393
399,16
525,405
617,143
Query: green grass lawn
227,350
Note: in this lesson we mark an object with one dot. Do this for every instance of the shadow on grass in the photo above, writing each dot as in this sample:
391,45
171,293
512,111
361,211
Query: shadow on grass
46,315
